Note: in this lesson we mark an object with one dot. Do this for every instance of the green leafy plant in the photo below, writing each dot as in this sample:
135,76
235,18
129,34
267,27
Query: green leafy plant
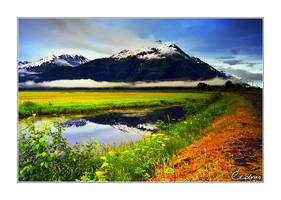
44,154
169,171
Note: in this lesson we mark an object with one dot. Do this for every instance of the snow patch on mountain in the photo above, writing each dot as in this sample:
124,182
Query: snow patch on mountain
157,51
60,60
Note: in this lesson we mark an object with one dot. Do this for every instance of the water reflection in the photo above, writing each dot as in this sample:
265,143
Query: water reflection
103,133
111,128
134,119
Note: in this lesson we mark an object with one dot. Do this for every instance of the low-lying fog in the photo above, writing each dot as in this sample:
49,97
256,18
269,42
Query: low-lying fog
88,83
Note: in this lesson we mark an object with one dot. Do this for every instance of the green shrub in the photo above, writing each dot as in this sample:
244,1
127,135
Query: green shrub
44,154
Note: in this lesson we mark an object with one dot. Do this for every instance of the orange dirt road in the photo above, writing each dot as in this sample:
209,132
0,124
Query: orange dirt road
230,150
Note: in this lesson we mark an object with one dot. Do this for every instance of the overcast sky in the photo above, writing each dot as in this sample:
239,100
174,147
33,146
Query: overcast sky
231,45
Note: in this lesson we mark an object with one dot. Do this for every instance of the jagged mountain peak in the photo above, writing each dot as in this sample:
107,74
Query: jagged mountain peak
59,60
158,50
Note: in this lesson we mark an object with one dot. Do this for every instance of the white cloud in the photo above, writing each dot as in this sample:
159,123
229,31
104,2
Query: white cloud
88,83
24,72
242,65
82,35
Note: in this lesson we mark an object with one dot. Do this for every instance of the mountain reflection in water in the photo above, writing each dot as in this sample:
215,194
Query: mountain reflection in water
111,128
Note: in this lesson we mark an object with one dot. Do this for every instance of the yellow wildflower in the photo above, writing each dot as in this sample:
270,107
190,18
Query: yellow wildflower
104,164
103,157
100,173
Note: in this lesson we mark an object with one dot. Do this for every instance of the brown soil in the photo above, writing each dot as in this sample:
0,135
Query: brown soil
230,150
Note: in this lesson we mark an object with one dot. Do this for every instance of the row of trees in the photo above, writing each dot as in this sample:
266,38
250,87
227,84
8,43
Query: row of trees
227,86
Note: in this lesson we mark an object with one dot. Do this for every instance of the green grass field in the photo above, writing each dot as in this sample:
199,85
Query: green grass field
66,101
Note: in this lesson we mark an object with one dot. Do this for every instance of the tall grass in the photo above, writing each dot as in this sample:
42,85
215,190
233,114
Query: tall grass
55,102
132,162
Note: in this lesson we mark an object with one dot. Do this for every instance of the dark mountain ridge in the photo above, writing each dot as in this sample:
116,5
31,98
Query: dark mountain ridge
161,62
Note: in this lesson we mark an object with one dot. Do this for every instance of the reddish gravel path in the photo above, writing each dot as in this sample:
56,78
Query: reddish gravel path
230,150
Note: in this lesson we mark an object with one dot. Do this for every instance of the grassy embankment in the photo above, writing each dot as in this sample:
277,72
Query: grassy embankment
55,161
230,149
75,102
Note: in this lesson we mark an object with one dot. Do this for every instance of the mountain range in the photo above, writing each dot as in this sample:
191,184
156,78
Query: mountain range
160,61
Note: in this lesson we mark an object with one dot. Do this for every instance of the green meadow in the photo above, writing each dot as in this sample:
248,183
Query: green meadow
75,102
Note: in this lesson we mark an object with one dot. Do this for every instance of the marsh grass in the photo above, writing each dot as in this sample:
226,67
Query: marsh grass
70,102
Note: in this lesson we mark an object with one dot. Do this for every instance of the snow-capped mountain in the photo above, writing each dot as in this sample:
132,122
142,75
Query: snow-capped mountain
58,60
160,61
159,50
